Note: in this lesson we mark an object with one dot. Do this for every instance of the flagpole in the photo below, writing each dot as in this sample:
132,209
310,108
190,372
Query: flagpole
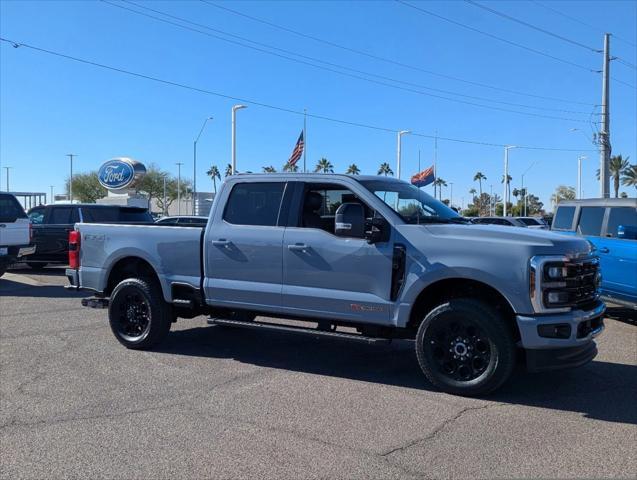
304,138
435,161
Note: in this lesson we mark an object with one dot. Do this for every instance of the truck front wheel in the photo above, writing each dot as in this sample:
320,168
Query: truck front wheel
138,315
465,347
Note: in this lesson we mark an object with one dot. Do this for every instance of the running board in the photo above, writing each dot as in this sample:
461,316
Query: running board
302,330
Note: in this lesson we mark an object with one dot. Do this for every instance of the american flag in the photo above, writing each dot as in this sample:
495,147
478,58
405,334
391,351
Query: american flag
298,150
424,178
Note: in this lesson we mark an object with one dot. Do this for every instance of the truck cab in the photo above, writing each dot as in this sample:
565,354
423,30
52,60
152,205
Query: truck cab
611,226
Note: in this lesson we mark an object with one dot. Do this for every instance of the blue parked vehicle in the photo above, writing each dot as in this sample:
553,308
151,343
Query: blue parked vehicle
611,225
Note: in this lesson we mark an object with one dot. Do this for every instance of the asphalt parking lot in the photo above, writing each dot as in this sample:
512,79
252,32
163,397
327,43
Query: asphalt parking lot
218,402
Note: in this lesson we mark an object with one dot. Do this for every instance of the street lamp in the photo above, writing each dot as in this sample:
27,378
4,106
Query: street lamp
179,164
506,177
451,194
579,175
524,191
71,155
194,164
234,136
7,173
400,135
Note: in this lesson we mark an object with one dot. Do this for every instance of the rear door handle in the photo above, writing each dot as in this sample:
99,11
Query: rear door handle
222,242
604,250
298,247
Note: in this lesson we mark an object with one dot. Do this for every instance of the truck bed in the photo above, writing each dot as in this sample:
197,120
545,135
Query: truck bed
174,252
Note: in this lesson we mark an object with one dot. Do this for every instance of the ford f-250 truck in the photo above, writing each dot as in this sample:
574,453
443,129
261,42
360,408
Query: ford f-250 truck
372,253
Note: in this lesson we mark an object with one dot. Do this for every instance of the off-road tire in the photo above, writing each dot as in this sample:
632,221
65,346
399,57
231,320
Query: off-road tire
494,331
159,312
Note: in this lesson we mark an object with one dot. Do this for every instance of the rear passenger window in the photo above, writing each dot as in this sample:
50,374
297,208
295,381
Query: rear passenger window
563,218
63,216
254,204
590,221
625,216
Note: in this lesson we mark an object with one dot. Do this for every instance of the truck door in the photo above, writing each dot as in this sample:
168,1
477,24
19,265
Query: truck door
243,261
331,276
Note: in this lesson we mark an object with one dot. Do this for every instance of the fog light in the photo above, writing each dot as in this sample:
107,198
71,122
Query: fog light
556,297
554,330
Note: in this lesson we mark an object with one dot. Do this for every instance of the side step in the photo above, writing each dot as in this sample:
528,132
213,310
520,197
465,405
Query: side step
302,330
94,302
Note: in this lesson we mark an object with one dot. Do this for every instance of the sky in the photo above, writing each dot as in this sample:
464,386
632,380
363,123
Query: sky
382,64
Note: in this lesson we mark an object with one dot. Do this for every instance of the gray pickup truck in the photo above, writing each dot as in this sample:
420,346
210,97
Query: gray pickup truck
365,258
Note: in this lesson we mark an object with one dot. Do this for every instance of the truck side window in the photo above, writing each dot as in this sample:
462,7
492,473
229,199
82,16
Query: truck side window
320,203
625,216
254,204
37,216
564,218
60,215
590,221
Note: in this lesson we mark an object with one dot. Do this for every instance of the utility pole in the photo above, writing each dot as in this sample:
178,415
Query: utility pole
304,139
71,155
234,137
398,153
435,161
7,172
179,164
604,134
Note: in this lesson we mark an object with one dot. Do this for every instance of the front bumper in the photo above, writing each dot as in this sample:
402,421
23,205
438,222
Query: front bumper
552,353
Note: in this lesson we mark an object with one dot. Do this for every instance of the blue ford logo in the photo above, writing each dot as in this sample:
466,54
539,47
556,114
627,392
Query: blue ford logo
120,173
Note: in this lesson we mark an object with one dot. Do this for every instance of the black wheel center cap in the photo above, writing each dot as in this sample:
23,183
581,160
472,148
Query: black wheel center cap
460,348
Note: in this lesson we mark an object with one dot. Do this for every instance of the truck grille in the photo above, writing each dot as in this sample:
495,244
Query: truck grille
582,283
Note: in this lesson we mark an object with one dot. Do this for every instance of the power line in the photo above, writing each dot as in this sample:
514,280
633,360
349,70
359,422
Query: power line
384,59
490,35
16,44
628,64
358,73
554,10
534,27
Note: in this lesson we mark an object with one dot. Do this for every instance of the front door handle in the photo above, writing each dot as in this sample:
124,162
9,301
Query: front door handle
298,247
222,242
604,250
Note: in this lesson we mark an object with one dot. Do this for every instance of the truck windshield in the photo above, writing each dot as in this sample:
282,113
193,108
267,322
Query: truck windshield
412,204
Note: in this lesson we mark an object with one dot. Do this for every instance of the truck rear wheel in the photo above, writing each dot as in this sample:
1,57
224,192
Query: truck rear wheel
138,315
465,347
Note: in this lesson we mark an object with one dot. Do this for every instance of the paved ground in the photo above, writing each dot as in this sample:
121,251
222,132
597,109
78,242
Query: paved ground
217,402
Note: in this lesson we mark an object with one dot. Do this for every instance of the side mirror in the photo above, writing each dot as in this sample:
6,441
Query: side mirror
350,220
627,232
376,229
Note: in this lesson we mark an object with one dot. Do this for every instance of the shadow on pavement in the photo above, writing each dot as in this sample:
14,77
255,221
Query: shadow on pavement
10,288
622,314
600,390
23,269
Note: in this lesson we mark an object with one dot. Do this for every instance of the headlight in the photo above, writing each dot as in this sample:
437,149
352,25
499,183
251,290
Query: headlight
554,272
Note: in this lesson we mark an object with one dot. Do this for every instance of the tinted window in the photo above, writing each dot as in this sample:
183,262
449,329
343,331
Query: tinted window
529,221
63,216
626,216
590,221
10,208
115,214
254,204
37,216
564,218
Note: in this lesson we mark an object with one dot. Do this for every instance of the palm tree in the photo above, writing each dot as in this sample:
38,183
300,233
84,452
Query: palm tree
353,170
213,172
228,171
630,176
269,169
324,166
385,169
473,192
478,177
288,167
618,167
508,187
439,182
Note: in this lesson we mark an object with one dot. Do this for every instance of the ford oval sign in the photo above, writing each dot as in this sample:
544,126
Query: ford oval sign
120,173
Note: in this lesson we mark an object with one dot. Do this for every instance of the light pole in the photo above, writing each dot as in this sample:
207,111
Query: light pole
51,186
179,164
7,174
234,136
398,154
71,155
579,175
524,191
450,194
194,164
506,177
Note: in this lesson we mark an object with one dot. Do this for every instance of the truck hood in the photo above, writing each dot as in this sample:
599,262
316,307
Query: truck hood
535,241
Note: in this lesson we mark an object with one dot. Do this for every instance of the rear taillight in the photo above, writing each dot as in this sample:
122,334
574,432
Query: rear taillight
74,249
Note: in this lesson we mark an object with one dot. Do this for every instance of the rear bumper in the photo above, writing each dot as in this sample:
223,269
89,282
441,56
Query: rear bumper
73,276
24,251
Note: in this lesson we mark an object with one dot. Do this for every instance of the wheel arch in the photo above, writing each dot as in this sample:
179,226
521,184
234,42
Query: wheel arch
446,289
131,267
